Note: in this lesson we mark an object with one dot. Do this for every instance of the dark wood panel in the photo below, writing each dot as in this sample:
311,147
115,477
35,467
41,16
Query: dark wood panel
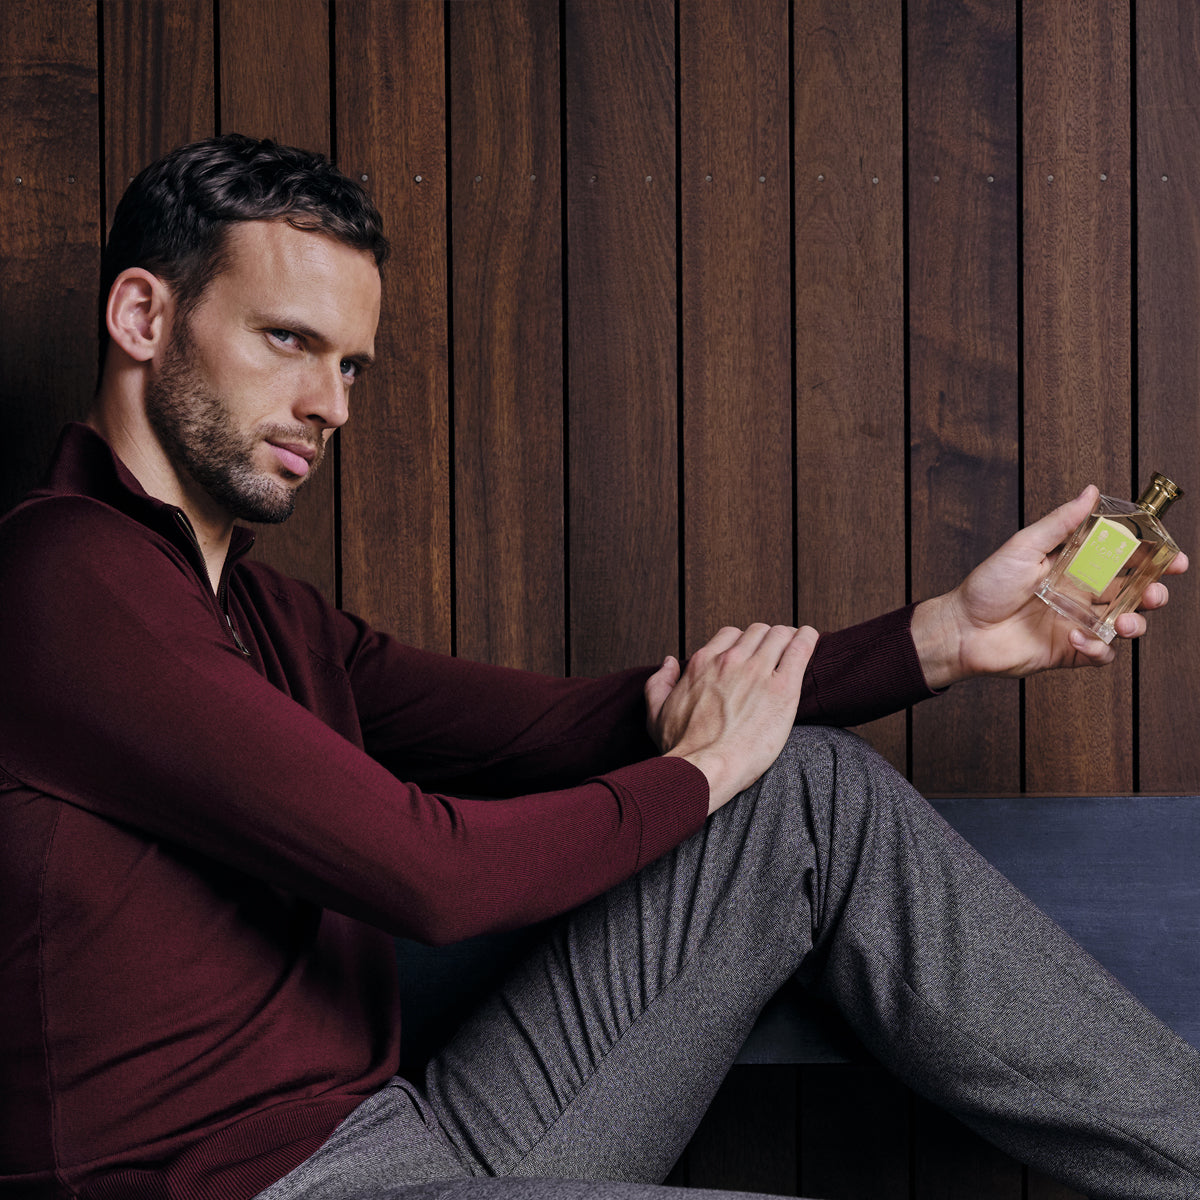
159,69
1039,1187
50,214
851,445
622,377
274,63
963,199
747,1139
1077,345
950,1161
736,315
854,1133
395,489
506,225
275,70
1168,415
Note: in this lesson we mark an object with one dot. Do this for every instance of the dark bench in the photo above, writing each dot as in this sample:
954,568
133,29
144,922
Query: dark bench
1121,874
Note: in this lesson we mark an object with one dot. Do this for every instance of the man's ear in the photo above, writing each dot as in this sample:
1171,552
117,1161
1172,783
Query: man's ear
139,304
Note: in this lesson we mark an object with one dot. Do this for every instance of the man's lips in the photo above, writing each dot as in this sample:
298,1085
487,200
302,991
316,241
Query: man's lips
295,457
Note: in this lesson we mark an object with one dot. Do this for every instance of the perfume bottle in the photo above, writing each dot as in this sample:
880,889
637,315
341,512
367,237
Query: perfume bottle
1110,560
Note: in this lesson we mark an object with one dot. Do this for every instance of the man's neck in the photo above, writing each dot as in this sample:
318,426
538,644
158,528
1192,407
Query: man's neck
145,459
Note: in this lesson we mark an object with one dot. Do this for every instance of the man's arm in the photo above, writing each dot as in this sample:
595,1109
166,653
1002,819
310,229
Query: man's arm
729,710
124,695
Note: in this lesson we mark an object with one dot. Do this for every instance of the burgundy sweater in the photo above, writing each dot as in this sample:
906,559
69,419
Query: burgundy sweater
216,810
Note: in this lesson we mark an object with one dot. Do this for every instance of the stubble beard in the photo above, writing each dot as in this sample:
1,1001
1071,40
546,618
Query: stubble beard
196,428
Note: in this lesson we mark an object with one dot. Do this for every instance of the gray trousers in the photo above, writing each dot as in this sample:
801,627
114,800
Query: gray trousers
586,1073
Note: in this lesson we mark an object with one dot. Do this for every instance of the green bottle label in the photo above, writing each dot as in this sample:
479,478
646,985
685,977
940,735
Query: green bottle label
1104,552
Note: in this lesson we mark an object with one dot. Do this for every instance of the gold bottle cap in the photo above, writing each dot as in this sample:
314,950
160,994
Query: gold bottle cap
1159,495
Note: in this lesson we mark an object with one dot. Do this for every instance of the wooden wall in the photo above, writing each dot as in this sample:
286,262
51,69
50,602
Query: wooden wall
701,311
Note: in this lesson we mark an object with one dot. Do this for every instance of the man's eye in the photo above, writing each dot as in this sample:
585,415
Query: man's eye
349,370
284,336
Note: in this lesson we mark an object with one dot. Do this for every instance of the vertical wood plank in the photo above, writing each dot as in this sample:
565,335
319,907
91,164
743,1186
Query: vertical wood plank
507,302
963,198
50,213
747,1139
395,482
1077,346
274,57
736,315
841,1108
737,431
1168,415
851,446
622,376
275,70
159,90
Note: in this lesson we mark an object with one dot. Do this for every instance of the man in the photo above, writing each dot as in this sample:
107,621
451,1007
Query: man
220,798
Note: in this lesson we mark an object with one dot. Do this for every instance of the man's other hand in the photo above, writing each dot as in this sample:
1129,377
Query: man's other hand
730,709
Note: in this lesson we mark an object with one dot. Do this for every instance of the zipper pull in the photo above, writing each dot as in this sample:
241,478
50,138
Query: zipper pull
237,640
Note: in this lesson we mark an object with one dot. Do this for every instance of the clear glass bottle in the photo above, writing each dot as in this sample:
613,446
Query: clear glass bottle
1110,560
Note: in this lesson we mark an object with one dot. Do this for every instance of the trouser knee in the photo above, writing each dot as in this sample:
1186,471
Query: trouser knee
835,802
832,773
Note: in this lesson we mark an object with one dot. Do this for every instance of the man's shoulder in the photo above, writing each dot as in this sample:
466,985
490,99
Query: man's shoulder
66,545
50,526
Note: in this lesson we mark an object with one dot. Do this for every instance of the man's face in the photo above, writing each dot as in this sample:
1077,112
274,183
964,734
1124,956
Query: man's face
250,387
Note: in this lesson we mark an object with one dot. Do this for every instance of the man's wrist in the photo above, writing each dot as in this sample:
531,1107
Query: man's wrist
937,637
714,767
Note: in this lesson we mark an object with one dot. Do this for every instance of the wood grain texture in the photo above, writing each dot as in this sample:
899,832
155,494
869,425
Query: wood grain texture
274,70
963,210
851,446
1168,415
1078,265
506,223
395,479
159,89
736,315
50,214
622,377
747,1139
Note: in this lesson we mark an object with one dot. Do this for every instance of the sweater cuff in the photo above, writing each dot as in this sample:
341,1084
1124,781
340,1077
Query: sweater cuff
670,796
864,672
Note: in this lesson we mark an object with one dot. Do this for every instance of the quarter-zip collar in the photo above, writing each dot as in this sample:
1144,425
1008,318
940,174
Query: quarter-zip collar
201,566
84,465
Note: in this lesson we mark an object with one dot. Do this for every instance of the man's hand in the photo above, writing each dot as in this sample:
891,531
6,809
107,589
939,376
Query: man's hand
730,710
993,624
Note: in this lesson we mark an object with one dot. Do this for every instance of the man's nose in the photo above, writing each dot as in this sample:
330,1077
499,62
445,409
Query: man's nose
325,401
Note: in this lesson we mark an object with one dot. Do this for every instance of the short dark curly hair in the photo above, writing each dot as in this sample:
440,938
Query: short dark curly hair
173,217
